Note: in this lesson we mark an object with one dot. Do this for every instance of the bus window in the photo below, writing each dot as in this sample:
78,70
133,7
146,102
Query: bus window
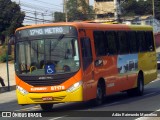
142,45
123,43
86,52
132,42
149,40
23,60
99,43
111,42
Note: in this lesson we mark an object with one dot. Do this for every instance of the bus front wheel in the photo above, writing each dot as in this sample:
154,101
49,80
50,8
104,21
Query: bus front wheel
46,107
100,94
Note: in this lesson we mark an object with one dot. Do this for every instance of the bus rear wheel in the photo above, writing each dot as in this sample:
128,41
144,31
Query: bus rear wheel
140,86
139,89
46,107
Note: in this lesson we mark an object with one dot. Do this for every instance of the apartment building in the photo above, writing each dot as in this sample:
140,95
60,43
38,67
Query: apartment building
106,9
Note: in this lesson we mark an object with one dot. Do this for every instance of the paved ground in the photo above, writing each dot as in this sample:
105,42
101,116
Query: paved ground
8,97
3,74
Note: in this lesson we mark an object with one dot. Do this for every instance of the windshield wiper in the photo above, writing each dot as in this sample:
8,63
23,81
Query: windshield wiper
61,37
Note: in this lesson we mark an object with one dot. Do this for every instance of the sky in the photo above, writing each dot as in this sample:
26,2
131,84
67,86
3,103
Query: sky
41,9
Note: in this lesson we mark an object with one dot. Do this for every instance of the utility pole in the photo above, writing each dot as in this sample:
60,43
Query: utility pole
19,2
65,10
63,6
116,11
43,17
35,17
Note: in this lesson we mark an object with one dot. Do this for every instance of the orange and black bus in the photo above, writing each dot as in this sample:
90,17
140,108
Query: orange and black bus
76,61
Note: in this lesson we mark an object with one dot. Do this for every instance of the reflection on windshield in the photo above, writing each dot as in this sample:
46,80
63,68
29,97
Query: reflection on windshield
50,56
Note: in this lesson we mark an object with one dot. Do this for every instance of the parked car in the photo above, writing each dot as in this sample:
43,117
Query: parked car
158,60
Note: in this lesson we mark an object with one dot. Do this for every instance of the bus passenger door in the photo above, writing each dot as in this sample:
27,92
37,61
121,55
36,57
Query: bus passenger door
87,64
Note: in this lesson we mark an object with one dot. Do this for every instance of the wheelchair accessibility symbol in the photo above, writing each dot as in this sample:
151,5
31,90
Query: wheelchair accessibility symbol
49,69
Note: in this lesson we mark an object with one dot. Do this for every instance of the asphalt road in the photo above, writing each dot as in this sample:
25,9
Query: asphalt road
116,104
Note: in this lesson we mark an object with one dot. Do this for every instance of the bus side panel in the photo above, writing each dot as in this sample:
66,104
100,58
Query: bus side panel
89,83
119,72
147,63
108,72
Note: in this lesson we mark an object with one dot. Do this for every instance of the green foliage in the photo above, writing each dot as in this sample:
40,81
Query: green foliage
157,9
59,17
79,10
4,56
141,7
10,17
138,8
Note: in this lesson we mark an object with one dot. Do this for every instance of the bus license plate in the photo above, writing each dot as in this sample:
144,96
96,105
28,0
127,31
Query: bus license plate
47,98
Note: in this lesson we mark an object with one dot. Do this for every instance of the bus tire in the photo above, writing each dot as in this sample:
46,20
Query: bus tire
100,94
46,107
138,91
140,85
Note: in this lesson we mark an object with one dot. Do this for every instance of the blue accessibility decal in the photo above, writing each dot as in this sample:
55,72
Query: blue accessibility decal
50,69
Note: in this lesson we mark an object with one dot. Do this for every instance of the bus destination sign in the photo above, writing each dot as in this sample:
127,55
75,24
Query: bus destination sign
42,31
47,31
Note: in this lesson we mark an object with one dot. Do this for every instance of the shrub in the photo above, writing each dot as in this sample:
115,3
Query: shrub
3,57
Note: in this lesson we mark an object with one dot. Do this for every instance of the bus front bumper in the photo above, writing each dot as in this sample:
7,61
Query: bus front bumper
52,97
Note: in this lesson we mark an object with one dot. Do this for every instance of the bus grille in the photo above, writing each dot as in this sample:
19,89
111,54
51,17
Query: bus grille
53,80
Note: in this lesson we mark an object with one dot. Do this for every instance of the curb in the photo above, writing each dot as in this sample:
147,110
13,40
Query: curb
5,89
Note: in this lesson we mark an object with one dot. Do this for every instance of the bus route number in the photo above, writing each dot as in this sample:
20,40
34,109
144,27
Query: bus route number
57,88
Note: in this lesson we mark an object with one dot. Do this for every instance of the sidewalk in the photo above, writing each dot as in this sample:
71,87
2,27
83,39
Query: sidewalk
3,74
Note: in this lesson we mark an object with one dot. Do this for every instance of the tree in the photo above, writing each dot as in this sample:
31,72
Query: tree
134,7
157,9
79,10
140,7
10,17
59,17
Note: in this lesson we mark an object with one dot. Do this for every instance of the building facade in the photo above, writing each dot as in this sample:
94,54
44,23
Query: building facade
106,10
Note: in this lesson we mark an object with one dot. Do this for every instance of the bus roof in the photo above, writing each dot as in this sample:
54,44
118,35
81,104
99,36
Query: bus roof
98,26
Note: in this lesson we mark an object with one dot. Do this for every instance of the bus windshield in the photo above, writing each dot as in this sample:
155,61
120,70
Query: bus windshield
47,56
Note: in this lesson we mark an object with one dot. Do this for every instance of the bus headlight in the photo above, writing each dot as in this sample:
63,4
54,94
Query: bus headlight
23,91
75,86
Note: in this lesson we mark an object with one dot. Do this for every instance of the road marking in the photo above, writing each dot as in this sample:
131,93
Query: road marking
155,80
58,117
30,108
112,103
150,94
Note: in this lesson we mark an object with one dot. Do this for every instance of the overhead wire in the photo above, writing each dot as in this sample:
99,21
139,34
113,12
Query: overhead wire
33,12
38,19
38,11
49,3
41,7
